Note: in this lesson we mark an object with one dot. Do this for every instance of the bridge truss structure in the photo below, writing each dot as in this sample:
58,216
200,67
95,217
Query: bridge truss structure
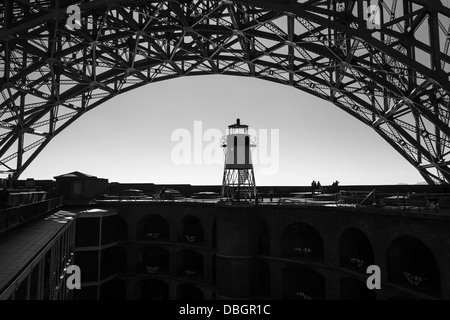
384,62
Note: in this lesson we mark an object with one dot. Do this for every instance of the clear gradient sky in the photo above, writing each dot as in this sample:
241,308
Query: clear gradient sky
128,138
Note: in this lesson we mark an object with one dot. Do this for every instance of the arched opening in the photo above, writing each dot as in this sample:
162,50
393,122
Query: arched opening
191,231
302,283
114,228
155,228
190,264
155,260
115,289
263,238
153,289
355,250
412,265
189,292
301,241
113,261
352,289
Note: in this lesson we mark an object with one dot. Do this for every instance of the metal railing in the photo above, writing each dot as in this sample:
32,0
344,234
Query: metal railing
12,217
407,201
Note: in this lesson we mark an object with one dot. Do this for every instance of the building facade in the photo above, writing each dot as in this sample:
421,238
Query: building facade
179,250
35,255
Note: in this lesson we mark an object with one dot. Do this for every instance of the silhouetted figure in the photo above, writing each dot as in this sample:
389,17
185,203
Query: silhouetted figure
313,187
334,186
260,196
162,193
9,182
319,187
271,195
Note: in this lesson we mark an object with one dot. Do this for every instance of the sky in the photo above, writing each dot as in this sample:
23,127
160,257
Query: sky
143,136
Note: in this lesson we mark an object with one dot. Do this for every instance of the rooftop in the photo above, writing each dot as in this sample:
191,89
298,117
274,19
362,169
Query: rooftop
22,244
75,174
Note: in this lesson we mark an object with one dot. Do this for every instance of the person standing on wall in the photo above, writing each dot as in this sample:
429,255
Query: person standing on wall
271,195
162,194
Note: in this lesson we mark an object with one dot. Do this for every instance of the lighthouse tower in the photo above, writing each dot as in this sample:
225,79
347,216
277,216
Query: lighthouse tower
238,177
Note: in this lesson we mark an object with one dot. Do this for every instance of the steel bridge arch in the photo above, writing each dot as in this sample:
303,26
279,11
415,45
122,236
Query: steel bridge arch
389,70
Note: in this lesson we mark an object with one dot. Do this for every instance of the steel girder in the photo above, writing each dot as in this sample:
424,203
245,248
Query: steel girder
392,76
